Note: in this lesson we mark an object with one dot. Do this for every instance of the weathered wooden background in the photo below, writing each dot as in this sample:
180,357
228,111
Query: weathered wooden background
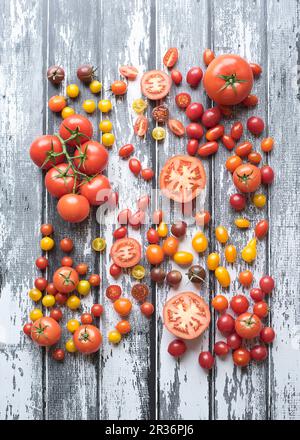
138,379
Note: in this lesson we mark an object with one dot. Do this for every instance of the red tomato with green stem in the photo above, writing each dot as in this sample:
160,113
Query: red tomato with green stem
248,325
60,180
96,190
45,331
77,128
87,339
247,178
44,149
91,158
65,279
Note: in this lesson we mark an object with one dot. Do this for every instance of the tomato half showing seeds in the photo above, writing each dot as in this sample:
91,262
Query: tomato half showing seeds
73,208
129,72
171,57
155,84
228,79
141,126
43,150
45,331
247,178
186,315
182,178
78,127
91,158
87,339
126,252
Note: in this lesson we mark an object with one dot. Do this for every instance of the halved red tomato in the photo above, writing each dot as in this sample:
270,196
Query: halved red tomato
182,178
170,57
141,126
126,252
176,127
186,315
155,84
129,72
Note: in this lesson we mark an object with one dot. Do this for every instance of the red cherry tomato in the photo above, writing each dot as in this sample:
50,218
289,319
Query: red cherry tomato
176,77
66,244
183,100
225,324
147,309
267,284
234,341
82,268
152,236
256,69
41,283
143,202
61,299
115,271
261,309
208,149
239,304
267,335
66,261
94,279
56,314
221,348
27,329
208,56
86,318
215,133
267,175
194,76
51,289
41,263
261,229
228,142
244,149
250,101
118,88
238,202
135,166
241,357
97,310
194,111
259,353
192,147
254,157
126,151
257,294
206,360
147,174
211,117
255,125
120,232
237,131
177,348
46,229
194,131
58,354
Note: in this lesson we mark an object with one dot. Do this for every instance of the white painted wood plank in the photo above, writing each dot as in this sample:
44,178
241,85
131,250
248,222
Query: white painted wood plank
21,201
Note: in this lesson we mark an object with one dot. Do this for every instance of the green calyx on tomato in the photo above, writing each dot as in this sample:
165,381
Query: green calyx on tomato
231,81
67,279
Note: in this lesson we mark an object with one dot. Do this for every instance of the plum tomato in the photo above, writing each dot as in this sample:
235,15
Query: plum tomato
147,174
73,208
208,148
241,357
135,166
154,254
183,100
177,348
192,147
78,127
220,303
255,125
186,315
57,103
221,348
248,325
183,258
261,229
234,341
113,292
194,76
45,151
225,324
194,130
126,151
155,84
87,339
238,202
267,175
121,232
215,133
65,279
239,304
267,284
236,131
256,69
259,353
267,335
96,190
60,180
170,246
126,252
228,142
247,178
194,111
170,58
243,149
206,360
176,76
208,56
91,158
211,117
230,253
254,157
45,331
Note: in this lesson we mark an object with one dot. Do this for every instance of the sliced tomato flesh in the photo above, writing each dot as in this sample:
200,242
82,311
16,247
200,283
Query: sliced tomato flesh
126,252
155,84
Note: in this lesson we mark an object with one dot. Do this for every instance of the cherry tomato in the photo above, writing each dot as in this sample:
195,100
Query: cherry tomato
141,126
183,100
215,133
250,101
228,142
256,69
261,309
179,228
82,268
138,272
211,117
157,275
248,325
66,261
155,84
113,292
129,72
230,253
147,174
152,236
221,234
199,242
126,151
261,229
206,360
238,201
56,314
208,149
170,246
267,284
104,105
225,324
86,318
35,294
66,244
176,77
98,244
119,87
147,309
208,56
241,357
61,299
220,303
47,243
41,263
55,74
244,149
154,254
236,131
183,258
259,353
213,261
89,106
73,302
192,147
135,166
143,202
239,304
58,354
51,289
194,131
267,335
140,292
221,348
194,111
257,294
234,341
57,103
95,86
267,144
202,218
46,229
97,310
267,175
254,157
170,58
246,278
123,306
255,125
73,90
194,76
157,217
162,230
27,329
247,178
120,232
123,327
177,348
259,200
94,280
115,271
232,163
173,278
41,283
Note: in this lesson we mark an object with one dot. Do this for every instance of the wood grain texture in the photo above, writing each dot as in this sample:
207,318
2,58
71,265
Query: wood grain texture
138,379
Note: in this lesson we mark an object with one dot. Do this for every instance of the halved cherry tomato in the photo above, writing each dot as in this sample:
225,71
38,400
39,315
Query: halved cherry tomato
183,100
186,315
57,103
126,252
176,77
236,131
228,142
126,151
254,157
208,149
215,133
261,229
141,126
171,57
250,101
233,162
129,72
243,149
176,127
155,84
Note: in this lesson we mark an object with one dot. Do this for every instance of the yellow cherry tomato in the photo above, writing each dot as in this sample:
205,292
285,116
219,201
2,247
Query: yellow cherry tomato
162,229
222,276
35,314
249,251
66,112
230,253
259,200
199,242
213,261
242,223
83,287
35,294
158,133
221,234
99,244
47,243
73,302
95,86
105,126
108,139
114,336
48,301
139,105
73,90
105,105
72,325
138,272
89,105
183,258
70,346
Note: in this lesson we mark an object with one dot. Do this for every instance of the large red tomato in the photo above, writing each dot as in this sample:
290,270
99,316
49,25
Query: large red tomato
186,315
155,84
182,178
247,178
73,208
92,158
228,79
45,331
41,151
65,279
97,190
77,126
87,339
60,180
126,252
248,325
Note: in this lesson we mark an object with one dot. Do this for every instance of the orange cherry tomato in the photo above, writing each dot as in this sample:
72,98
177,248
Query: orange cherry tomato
267,144
208,56
228,142
233,162
119,87
243,149
254,157
81,268
123,327
170,246
57,103
154,254
123,306
215,133
246,278
220,303
250,101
